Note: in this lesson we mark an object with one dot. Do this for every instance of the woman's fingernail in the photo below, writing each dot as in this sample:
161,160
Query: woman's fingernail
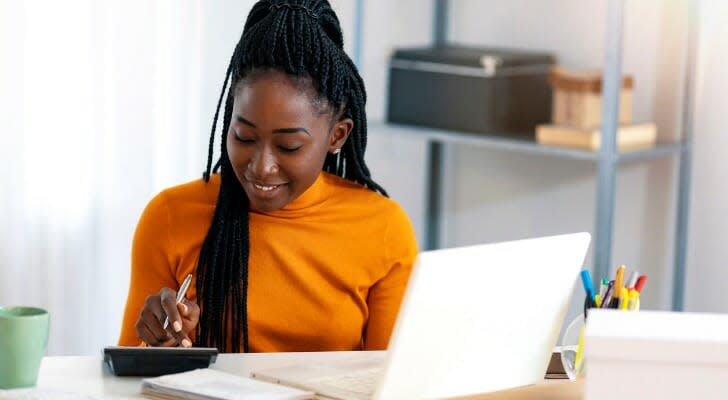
184,308
177,326
186,343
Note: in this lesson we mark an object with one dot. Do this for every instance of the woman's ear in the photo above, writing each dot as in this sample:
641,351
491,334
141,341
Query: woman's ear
339,133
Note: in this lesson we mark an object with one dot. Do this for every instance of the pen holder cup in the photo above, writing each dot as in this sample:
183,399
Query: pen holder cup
572,347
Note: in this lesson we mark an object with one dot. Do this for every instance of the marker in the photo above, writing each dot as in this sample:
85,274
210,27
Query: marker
634,299
608,295
603,287
618,285
579,350
587,283
640,283
624,299
632,280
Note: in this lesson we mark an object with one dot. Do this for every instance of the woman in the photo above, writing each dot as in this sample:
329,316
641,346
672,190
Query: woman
292,245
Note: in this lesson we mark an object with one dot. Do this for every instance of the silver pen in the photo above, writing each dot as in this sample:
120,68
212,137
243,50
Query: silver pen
180,295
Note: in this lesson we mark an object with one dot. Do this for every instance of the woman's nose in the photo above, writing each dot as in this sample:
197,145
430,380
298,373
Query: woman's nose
263,163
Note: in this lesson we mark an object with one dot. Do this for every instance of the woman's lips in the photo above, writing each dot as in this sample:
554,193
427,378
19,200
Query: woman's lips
265,190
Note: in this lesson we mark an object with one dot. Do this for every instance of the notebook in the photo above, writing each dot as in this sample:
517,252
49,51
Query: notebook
209,384
474,319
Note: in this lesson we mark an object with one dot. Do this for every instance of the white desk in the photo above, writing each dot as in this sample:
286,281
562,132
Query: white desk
88,376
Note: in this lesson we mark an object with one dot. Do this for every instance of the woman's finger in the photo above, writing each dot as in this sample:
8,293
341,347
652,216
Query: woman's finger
149,320
149,338
185,341
190,312
168,299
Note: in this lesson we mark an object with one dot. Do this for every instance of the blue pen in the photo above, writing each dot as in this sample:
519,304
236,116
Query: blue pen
587,282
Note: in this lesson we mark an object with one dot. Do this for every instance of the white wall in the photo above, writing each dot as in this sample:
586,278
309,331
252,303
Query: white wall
707,275
396,162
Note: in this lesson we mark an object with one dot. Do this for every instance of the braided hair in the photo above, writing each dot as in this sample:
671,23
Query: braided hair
303,39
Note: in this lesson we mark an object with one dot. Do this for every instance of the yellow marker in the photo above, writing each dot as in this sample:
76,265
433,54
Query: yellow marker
598,300
579,351
624,299
634,300
619,282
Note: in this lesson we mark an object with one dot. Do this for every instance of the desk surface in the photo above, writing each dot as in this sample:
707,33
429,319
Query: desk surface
88,376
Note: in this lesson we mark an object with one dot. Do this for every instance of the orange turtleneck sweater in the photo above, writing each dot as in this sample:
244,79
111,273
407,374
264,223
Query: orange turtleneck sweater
326,272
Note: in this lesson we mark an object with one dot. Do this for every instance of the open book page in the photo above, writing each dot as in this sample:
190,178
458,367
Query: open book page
208,384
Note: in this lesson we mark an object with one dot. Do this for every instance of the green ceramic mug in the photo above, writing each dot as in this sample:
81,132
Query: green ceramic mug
23,340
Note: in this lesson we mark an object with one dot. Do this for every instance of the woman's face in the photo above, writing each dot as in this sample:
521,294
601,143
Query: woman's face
278,139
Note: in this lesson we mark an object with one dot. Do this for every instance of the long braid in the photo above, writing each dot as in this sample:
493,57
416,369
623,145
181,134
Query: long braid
206,174
302,38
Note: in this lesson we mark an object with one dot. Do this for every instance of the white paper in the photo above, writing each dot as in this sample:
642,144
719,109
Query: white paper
211,384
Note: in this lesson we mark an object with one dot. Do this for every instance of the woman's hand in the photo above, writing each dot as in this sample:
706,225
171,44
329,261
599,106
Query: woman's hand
183,318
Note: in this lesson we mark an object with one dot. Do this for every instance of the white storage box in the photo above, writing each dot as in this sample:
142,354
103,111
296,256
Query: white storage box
655,355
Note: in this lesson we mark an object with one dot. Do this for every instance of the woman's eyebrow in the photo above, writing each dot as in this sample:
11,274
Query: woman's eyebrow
244,121
279,130
291,130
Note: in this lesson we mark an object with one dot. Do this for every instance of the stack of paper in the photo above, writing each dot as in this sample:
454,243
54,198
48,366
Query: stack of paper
208,384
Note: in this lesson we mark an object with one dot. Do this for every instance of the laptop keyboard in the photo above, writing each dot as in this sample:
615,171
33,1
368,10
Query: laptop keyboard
358,384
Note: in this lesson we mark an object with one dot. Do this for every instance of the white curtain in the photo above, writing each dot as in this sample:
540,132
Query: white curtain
99,110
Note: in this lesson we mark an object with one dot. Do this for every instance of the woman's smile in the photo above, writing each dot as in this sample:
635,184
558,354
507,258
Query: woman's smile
264,191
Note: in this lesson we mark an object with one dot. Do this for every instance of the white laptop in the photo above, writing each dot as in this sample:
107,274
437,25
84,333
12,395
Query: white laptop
474,319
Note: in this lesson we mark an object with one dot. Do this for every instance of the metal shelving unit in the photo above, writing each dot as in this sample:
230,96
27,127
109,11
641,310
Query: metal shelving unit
521,145
607,159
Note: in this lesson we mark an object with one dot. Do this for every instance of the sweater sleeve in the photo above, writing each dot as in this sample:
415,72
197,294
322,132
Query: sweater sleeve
151,265
400,249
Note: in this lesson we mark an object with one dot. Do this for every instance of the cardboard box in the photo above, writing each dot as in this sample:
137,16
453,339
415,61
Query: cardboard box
577,98
655,355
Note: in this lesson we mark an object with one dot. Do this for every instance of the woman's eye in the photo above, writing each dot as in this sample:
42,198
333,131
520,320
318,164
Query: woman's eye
287,149
244,140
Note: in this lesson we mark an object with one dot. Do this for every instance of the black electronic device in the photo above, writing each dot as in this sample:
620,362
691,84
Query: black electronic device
156,361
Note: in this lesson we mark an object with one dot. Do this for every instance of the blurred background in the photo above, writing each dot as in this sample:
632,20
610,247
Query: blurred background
105,103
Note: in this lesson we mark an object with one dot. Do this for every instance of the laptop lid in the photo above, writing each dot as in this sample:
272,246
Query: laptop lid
481,318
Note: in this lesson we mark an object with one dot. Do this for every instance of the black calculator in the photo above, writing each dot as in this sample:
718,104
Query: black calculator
156,361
